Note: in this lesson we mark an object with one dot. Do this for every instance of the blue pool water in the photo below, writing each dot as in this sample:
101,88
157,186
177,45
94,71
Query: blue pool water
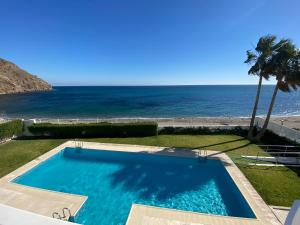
114,180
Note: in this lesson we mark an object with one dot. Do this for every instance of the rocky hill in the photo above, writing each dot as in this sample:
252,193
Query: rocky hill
15,80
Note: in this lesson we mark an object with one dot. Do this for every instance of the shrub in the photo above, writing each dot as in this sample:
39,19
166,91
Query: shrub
10,129
94,130
202,130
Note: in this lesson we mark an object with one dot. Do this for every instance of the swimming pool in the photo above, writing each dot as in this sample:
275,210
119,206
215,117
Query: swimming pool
114,180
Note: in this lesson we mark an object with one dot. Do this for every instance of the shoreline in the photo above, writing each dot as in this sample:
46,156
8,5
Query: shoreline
292,122
146,118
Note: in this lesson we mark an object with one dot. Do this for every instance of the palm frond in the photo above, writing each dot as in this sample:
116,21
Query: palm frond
251,57
278,59
266,44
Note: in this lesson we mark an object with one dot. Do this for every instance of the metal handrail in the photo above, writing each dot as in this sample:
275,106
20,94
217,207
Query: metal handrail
288,146
291,153
202,158
200,152
64,216
56,213
273,149
78,143
68,210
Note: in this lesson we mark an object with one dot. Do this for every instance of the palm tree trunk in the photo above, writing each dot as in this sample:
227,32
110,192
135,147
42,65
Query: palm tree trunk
264,128
251,128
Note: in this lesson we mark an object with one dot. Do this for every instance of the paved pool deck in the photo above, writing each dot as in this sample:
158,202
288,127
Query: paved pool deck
13,216
40,201
46,202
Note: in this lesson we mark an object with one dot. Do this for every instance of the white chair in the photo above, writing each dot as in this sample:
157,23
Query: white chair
293,217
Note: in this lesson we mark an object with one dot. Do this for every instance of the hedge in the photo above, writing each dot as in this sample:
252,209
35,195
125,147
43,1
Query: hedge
94,130
202,131
10,129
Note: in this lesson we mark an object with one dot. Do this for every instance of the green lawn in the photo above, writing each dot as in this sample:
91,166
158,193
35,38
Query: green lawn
16,153
278,186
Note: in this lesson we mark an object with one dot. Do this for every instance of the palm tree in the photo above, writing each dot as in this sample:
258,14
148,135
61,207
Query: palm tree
285,66
259,61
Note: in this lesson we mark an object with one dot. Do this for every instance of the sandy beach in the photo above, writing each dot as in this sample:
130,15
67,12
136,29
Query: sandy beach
289,121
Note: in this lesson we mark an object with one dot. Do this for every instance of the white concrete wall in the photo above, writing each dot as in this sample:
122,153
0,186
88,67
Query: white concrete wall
28,123
280,130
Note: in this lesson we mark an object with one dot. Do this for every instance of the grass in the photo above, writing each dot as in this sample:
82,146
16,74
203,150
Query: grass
277,186
226,143
18,152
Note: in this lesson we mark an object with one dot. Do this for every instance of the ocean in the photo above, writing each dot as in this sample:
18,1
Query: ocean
147,102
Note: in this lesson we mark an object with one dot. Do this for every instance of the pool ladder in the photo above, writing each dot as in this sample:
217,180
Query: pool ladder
202,155
66,215
78,143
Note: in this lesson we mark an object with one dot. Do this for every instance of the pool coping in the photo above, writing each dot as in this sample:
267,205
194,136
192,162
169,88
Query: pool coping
45,202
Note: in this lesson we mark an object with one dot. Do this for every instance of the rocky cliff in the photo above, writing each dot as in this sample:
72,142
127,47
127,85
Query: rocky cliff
15,80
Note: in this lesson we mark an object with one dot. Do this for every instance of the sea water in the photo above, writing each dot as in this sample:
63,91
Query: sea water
147,102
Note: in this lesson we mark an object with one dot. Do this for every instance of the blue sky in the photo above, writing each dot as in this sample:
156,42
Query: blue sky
141,42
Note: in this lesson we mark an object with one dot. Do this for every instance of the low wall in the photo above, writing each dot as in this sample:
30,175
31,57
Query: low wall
280,130
26,124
